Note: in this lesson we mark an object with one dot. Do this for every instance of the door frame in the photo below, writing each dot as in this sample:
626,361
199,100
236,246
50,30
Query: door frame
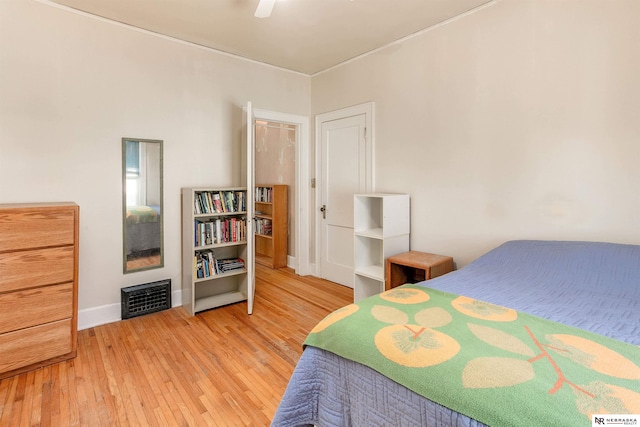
302,179
368,109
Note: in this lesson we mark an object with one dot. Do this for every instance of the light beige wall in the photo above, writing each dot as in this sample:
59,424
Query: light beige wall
521,120
72,86
518,121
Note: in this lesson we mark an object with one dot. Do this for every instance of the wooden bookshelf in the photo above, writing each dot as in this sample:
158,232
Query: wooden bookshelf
272,225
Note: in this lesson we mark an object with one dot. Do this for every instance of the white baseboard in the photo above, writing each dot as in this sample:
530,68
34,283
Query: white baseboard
313,269
96,316
292,262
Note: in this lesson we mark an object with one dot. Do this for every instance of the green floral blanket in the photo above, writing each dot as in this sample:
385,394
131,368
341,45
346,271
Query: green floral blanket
491,363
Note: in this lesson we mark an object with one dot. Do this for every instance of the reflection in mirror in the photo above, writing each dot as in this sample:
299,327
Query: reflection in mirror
142,204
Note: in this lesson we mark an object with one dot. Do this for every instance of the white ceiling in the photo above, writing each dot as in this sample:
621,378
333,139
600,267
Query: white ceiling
307,36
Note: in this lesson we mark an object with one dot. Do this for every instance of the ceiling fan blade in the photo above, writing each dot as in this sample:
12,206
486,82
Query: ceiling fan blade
264,8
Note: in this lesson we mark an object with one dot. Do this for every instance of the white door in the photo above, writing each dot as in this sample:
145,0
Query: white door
301,197
248,130
345,169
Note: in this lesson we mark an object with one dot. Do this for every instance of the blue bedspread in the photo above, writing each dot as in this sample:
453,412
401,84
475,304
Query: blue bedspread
589,285
593,286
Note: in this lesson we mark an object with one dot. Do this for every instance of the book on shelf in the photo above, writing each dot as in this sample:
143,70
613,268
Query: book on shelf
234,235
219,202
230,264
263,226
264,194
207,265
230,202
218,238
219,230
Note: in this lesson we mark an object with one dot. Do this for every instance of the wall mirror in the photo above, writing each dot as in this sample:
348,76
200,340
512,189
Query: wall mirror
142,213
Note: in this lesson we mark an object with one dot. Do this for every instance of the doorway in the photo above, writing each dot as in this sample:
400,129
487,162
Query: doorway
344,165
281,148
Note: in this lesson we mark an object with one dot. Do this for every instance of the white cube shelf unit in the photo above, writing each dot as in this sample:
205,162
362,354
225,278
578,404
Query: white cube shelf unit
381,229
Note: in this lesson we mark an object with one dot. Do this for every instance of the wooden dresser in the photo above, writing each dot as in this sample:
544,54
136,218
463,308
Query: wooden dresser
38,285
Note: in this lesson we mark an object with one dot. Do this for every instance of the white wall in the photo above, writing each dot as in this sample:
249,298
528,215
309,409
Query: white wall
517,121
521,120
72,86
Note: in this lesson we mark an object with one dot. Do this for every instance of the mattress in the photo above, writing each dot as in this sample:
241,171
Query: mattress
590,285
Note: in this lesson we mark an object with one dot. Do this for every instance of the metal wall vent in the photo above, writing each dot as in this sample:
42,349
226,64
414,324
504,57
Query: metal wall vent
146,298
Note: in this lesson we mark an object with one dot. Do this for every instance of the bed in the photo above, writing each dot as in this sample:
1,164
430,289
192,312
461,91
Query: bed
589,290
142,230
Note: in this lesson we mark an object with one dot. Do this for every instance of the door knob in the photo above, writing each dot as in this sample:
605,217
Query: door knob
323,209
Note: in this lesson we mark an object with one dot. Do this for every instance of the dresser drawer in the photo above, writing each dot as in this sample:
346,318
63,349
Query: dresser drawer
27,269
36,227
28,346
31,307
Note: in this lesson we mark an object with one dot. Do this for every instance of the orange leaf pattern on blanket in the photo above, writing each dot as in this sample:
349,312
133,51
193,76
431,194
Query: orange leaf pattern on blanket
335,316
484,310
405,296
593,355
415,346
607,399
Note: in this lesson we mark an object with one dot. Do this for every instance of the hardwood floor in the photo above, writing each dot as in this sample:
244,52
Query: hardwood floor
221,367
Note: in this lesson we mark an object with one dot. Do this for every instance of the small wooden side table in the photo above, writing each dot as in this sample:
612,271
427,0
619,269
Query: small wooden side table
414,266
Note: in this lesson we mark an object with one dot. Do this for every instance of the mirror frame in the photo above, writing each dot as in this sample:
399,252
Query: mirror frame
126,270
